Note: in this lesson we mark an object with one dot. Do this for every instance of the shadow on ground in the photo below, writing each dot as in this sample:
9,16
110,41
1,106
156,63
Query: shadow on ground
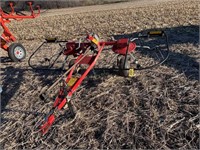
13,78
10,84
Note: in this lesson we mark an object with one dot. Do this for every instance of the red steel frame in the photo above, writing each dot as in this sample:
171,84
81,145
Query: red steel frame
7,36
62,99
80,51
64,95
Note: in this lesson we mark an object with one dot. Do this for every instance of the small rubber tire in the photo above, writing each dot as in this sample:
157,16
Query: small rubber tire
16,52
124,70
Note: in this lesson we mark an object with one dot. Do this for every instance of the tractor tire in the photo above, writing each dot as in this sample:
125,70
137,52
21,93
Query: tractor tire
16,52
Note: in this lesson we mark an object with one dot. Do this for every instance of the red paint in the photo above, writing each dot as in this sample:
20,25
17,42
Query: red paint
76,49
7,37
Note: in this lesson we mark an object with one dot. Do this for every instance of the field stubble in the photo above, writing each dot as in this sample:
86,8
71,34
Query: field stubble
157,108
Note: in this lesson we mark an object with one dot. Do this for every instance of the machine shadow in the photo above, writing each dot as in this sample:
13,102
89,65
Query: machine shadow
179,35
13,77
10,84
12,80
5,59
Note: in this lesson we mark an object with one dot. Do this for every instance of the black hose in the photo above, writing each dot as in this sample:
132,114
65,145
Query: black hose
167,43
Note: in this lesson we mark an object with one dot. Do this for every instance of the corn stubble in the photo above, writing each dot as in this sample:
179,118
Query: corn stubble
156,109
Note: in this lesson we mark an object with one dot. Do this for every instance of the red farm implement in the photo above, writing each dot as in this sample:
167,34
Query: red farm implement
127,53
16,51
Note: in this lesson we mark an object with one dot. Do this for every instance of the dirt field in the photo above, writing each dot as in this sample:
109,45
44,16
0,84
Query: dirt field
156,109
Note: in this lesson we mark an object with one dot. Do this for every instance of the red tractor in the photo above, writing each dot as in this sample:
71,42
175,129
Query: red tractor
16,51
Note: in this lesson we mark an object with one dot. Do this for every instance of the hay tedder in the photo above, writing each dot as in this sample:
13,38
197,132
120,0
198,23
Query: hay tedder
16,51
129,54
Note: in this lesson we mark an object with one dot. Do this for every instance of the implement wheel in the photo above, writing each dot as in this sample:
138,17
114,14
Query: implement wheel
16,52
124,67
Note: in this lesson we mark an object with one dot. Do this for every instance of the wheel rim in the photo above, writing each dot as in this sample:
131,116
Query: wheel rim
19,52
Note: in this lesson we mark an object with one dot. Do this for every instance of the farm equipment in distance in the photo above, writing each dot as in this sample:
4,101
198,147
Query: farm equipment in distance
16,51
86,52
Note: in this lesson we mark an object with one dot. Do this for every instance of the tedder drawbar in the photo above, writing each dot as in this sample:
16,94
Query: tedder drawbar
129,54
16,51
